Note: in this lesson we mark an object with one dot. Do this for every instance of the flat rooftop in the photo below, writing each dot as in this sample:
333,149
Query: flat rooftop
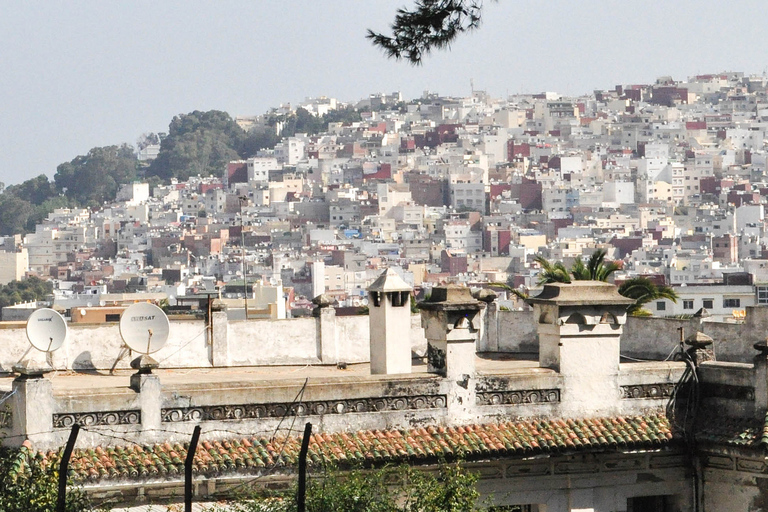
66,381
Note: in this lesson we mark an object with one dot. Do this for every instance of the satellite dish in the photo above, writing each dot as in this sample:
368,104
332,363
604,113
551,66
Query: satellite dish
46,330
144,327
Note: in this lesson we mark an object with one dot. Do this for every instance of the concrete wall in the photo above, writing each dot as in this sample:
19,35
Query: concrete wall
234,343
99,346
642,338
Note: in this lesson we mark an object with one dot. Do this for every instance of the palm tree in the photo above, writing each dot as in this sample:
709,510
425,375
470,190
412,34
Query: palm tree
643,290
552,272
596,269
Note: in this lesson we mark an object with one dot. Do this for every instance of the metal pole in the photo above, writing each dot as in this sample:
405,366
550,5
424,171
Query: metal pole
242,247
188,469
245,279
302,492
61,500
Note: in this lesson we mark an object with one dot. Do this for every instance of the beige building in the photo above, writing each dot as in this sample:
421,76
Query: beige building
13,265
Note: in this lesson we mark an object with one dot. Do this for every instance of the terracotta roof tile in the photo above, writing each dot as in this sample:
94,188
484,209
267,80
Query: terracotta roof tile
743,432
514,438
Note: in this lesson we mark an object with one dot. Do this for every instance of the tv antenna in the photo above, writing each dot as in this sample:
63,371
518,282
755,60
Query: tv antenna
144,328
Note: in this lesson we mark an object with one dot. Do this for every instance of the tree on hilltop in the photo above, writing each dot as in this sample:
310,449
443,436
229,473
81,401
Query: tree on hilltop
96,177
198,143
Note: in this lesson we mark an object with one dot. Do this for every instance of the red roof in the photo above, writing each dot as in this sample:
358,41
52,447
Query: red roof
520,438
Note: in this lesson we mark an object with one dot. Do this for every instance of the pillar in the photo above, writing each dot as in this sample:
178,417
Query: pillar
325,316
33,407
579,326
147,385
489,336
761,380
218,341
451,319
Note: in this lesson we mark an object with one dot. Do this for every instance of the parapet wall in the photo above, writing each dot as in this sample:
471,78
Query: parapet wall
193,344
645,338
329,340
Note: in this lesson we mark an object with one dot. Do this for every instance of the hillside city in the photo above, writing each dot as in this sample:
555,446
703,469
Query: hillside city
670,179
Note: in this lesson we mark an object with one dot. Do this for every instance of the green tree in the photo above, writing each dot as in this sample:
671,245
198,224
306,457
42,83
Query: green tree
35,190
643,290
32,288
14,214
29,483
430,24
389,489
257,140
552,272
198,143
94,178
595,269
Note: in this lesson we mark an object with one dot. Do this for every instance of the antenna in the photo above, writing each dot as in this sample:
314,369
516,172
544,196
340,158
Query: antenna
46,330
144,328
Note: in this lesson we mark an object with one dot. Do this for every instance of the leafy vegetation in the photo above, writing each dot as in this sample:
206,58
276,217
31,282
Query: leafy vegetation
641,289
91,179
302,121
390,489
30,484
430,24
27,290
198,143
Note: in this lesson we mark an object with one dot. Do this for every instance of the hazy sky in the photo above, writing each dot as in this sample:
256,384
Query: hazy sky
74,75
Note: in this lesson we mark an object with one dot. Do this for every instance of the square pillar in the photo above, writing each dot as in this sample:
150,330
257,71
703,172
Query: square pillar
32,407
579,326
325,316
452,321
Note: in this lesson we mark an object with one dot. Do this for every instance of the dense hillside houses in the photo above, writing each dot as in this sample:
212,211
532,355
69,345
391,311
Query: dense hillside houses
668,178
424,280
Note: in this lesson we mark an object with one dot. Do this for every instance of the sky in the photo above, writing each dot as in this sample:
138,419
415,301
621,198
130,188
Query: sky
81,74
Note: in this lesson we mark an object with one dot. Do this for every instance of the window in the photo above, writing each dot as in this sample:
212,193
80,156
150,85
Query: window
113,318
762,294
661,306
731,303
688,304
708,303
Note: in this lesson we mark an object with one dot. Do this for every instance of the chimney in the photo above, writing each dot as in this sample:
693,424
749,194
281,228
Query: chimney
451,319
579,326
389,310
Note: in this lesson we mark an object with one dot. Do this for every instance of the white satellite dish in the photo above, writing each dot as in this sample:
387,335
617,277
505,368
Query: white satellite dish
144,327
46,330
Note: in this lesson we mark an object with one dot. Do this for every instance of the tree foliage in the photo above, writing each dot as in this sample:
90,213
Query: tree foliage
36,190
641,289
302,121
14,214
95,177
198,143
430,24
32,288
595,269
29,483
390,489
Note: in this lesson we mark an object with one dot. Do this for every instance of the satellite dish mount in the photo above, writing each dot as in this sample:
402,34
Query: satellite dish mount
46,331
144,329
